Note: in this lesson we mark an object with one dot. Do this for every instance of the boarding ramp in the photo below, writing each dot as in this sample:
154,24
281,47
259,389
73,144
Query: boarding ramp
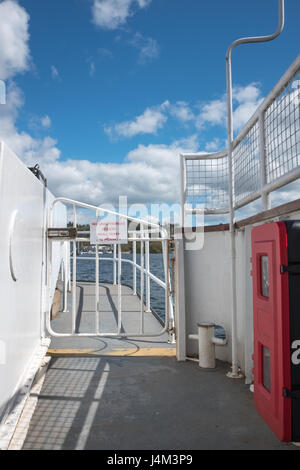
120,310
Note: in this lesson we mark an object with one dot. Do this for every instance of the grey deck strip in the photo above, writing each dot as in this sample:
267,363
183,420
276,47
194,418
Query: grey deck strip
108,321
135,403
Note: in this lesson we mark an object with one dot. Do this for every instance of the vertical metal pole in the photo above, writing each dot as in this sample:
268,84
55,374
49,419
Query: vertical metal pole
115,265
265,197
120,289
250,40
148,292
142,281
65,281
97,298
74,276
134,268
167,290
183,189
235,370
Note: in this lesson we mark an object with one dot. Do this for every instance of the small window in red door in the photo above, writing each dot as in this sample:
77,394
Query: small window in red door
264,277
266,368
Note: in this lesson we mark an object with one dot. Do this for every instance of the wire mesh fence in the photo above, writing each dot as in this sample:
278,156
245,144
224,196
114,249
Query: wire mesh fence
266,154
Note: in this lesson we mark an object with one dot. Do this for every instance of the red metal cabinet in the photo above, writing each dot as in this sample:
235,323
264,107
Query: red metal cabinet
272,370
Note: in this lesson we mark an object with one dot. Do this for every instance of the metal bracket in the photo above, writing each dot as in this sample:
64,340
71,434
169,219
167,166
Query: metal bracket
291,394
292,269
59,234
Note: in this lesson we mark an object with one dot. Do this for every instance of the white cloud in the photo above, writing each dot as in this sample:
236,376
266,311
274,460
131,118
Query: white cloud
149,122
14,37
182,111
111,14
30,150
55,73
148,47
148,174
46,121
246,101
214,145
213,113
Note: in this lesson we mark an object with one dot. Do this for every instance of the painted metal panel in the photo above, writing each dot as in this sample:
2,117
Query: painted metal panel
271,327
23,210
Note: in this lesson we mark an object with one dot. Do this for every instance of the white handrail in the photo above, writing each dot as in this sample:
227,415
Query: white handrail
143,237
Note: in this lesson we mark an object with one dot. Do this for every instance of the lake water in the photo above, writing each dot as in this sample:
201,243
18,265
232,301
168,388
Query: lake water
86,272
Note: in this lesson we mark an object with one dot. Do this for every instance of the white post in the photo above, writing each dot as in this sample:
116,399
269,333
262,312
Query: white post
74,276
250,40
165,245
148,292
65,309
119,289
115,265
265,197
142,280
97,286
134,268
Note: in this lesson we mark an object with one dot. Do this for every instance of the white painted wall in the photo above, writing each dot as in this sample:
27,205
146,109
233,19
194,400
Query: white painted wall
207,293
24,205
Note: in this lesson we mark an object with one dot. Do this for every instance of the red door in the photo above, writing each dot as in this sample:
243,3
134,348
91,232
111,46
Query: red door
271,327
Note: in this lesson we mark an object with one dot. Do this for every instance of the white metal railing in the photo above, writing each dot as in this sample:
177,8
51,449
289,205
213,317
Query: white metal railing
144,236
266,155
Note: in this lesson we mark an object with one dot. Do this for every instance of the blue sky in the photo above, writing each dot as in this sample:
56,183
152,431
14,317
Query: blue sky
121,81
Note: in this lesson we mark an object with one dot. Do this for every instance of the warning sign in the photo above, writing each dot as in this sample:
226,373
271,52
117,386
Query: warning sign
108,232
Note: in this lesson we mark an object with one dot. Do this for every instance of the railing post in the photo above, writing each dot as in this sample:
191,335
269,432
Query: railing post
65,309
74,286
115,265
265,198
97,298
142,280
119,289
148,292
134,268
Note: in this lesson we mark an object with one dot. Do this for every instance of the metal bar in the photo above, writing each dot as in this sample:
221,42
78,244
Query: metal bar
265,199
128,261
115,265
97,298
119,289
207,211
183,189
74,275
161,230
204,156
142,284
235,369
148,287
65,309
134,268
167,290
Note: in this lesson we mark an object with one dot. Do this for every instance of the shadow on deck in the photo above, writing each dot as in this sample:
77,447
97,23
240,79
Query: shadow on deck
112,403
98,398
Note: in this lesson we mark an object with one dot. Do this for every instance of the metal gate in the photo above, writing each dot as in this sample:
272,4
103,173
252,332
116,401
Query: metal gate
142,233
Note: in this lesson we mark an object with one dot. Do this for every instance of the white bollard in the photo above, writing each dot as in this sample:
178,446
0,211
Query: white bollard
206,343
207,355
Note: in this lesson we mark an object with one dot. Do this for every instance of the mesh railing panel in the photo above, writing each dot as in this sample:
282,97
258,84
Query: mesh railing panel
282,132
246,165
207,180
207,183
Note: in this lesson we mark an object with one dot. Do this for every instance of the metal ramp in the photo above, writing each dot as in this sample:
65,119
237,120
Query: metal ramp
85,316
93,311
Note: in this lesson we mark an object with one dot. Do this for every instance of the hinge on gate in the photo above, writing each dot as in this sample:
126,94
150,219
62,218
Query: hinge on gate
60,234
291,394
292,269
